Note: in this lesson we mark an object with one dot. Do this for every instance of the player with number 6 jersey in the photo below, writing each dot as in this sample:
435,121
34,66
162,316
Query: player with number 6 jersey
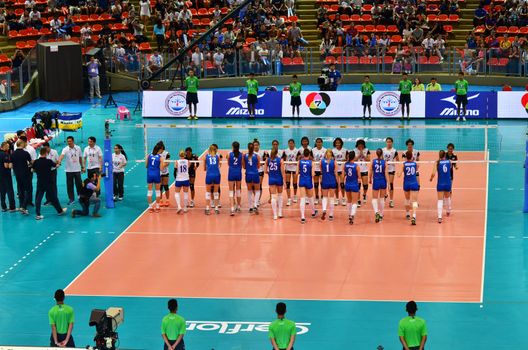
306,184
443,186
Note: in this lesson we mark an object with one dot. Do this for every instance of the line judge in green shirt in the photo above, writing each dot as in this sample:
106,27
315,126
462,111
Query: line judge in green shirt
192,84
252,91
405,88
433,86
61,320
461,88
412,330
282,331
173,328
367,89
295,93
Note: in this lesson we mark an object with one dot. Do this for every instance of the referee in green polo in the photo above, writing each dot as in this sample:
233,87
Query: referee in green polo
367,89
461,88
412,330
405,88
61,320
282,331
173,328
191,84
252,86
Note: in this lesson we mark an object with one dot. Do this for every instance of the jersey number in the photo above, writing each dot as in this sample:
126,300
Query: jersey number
183,168
273,166
327,168
305,168
444,169
410,171
153,161
212,160
378,168
235,161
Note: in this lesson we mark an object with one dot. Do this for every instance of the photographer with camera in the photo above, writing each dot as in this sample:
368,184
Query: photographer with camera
87,197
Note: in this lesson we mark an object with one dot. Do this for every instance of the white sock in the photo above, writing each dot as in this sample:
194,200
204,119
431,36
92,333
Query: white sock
216,200
449,203
311,201
325,203
207,199
331,202
274,204
257,197
440,207
279,203
414,209
375,205
354,208
302,205
250,198
178,201
381,204
185,199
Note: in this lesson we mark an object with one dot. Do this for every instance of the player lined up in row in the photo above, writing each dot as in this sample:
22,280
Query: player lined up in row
335,172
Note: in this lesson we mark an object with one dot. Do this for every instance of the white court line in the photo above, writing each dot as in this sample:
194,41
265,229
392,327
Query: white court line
284,126
485,234
265,234
339,208
111,244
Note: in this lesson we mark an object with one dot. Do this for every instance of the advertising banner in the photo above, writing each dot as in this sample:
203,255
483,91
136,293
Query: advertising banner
70,121
513,104
442,104
233,104
347,104
172,104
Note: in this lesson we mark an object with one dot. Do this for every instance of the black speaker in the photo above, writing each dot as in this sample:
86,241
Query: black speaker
60,71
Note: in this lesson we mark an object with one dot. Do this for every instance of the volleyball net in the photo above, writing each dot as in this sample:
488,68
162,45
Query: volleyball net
466,138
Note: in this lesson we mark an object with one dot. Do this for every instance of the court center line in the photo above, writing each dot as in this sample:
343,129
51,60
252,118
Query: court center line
146,233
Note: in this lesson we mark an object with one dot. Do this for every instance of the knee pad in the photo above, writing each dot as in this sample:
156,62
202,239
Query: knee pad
294,186
216,195
391,186
365,187
231,194
207,196
191,186
238,193
288,184
342,185
158,193
415,205
149,193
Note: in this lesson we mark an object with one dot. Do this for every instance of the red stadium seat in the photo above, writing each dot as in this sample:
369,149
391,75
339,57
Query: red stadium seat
144,47
448,28
503,61
380,28
97,28
298,61
13,34
523,30
4,58
355,18
366,18
330,60
353,60
203,12
364,60
205,21
454,18
434,60
21,45
369,28
423,60
513,30
5,70
432,18
392,28
359,28
480,30
502,29
286,61
443,18
396,39
388,60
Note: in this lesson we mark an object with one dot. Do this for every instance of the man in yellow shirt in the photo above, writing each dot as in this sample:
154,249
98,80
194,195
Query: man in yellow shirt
505,45
433,86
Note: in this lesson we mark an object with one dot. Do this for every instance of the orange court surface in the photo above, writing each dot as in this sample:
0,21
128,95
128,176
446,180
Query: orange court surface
254,257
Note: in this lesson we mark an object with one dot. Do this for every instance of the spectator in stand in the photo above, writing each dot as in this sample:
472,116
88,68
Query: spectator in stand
290,7
453,7
155,62
11,19
480,15
159,33
29,4
326,47
74,167
197,59
86,35
93,77
120,57
513,62
6,179
35,18
17,59
144,11
185,16
43,167
24,21
428,45
218,60
373,45
433,86
55,25
20,161
417,35
505,46
407,33
439,47
295,34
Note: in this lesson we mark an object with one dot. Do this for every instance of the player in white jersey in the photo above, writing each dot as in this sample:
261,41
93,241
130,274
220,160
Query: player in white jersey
181,173
290,155
363,157
340,154
390,154
415,156
318,154
164,186
263,155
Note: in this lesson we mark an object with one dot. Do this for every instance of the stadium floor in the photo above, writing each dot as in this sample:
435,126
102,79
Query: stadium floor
39,257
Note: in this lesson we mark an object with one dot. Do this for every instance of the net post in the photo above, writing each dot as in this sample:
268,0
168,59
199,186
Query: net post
525,209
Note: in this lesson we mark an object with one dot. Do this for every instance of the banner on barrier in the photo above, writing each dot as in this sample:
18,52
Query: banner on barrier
233,104
70,121
172,104
347,104
442,104
513,104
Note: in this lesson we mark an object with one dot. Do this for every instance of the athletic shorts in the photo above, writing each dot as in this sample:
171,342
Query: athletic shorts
411,187
192,98
295,101
185,183
339,173
153,178
252,99
252,178
164,175
192,173
234,176
405,99
212,179
364,173
366,100
306,183
275,182
352,187
392,172
379,185
326,185
443,188
318,173
461,100
290,172
261,173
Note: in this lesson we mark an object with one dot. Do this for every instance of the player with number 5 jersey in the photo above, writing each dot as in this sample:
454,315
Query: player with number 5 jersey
181,173
306,184
410,186
378,179
443,186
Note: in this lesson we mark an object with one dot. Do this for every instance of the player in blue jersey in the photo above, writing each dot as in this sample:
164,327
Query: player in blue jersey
251,162
411,186
305,169
352,175
444,182
154,163
275,171
212,180
234,177
378,179
328,183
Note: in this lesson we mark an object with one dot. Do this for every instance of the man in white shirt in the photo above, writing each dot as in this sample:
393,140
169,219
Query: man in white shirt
428,44
93,158
155,62
53,155
197,60
74,167
218,59
185,14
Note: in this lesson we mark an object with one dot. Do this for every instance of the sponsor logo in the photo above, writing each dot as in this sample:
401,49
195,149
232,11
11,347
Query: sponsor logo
317,102
452,111
243,109
176,104
524,102
234,327
235,104
388,104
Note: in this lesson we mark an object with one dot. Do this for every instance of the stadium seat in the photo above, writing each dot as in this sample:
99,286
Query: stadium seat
297,61
503,61
480,30
366,8
293,18
380,28
5,70
94,17
392,28
369,28
337,50
396,39
205,21
423,60
21,45
513,30
353,60
333,8
340,60
364,60
105,17
355,18
448,28
502,30
432,18
144,47
523,30
286,61
454,18
4,58
388,60
97,28
13,34
330,60
345,18
434,60
45,31
359,28
366,18
442,18
203,12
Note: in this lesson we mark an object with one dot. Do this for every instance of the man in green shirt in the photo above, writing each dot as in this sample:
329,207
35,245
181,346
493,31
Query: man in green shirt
433,86
405,88
367,89
61,320
252,91
461,88
173,328
282,331
295,93
412,330
192,84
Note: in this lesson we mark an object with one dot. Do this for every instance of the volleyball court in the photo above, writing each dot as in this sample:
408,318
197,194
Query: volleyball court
253,256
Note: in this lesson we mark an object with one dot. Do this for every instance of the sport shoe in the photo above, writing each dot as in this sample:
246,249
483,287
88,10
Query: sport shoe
458,119
323,216
343,202
191,205
303,221
96,215
64,210
330,218
314,214
189,118
351,220
413,221
391,204
463,119
289,202
39,217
